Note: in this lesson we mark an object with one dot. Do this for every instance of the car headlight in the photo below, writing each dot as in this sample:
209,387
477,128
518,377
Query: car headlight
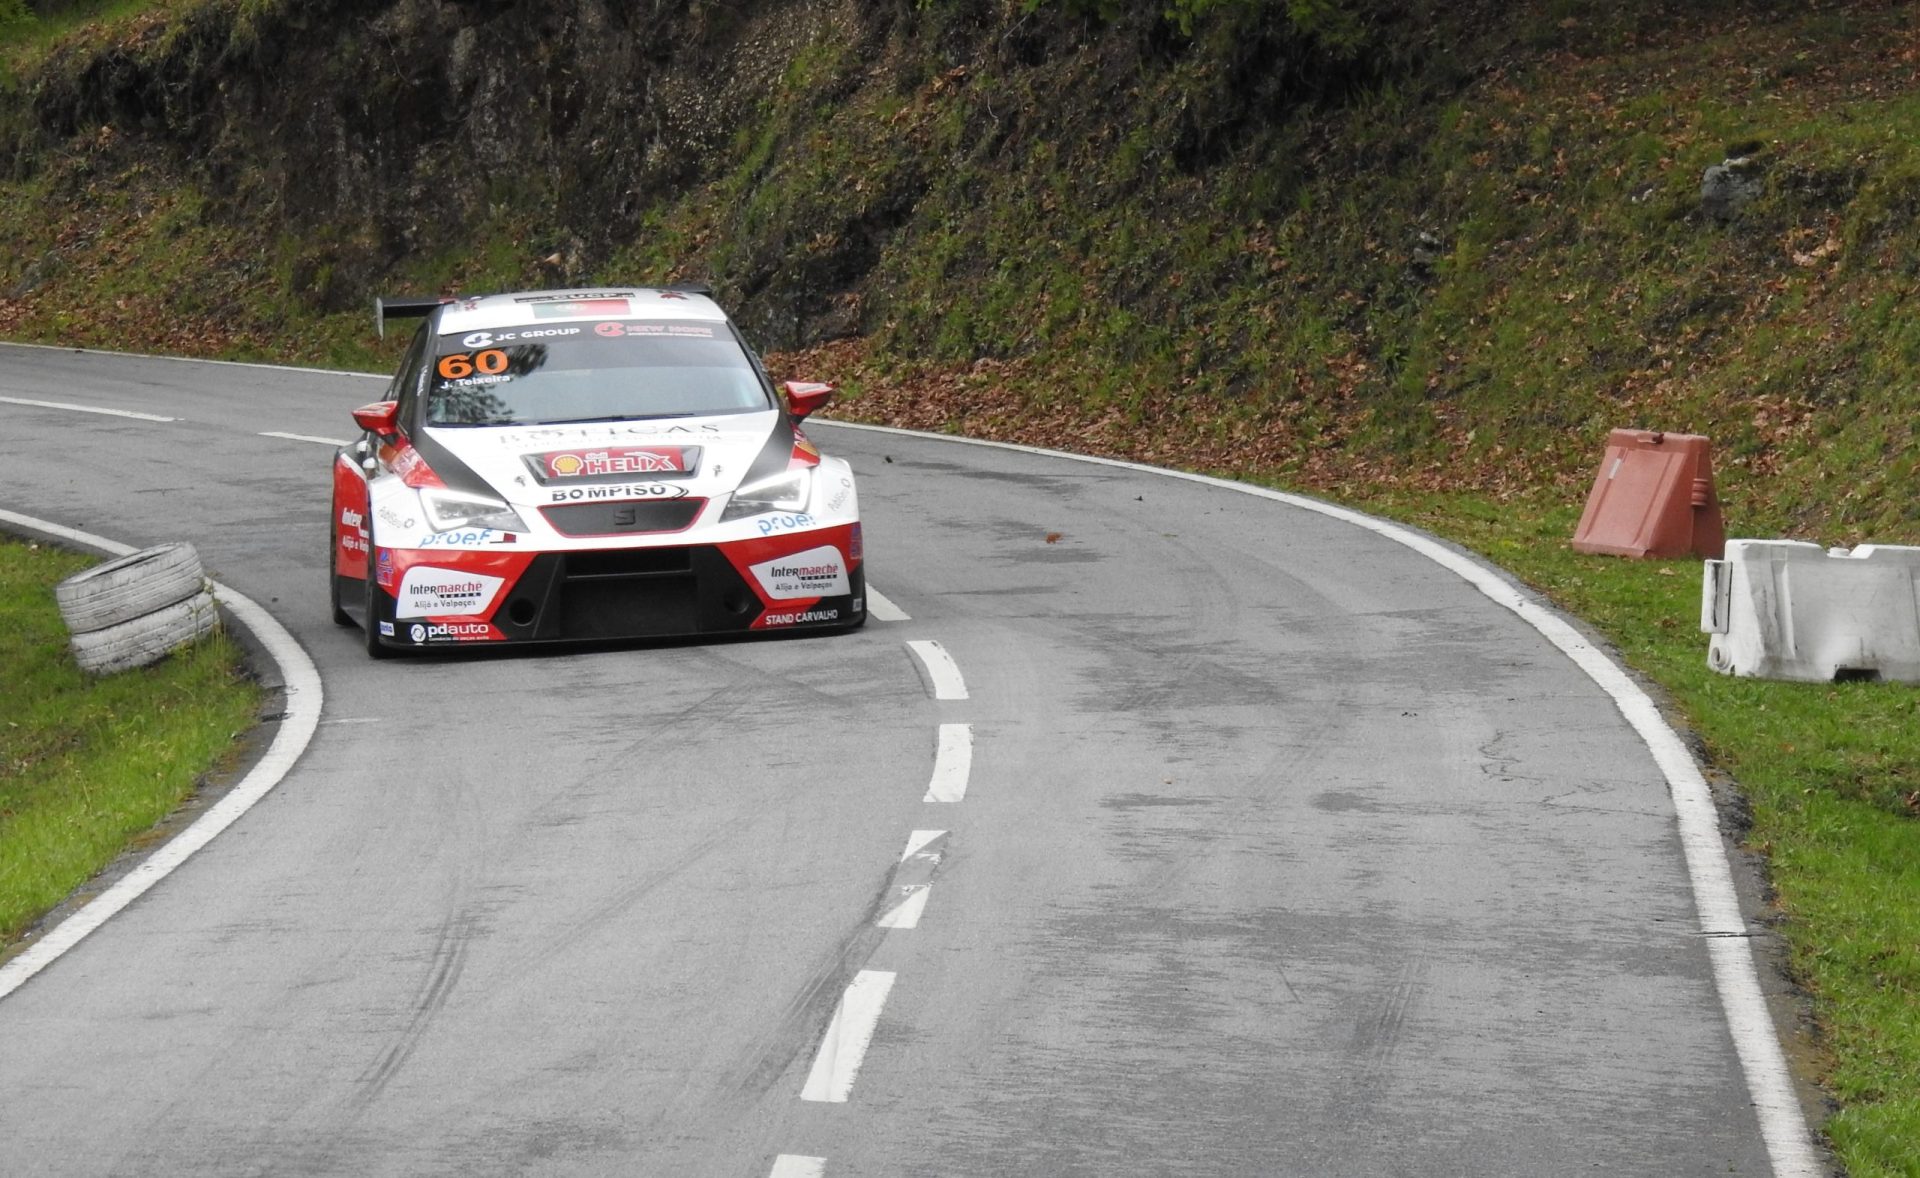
447,510
783,492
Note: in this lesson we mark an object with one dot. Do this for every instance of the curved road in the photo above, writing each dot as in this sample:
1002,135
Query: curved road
1212,837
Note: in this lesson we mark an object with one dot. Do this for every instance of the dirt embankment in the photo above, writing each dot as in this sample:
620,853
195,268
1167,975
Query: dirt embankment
1376,241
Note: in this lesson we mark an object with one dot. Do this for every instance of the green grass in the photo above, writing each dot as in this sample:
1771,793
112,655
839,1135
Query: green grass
89,764
1831,773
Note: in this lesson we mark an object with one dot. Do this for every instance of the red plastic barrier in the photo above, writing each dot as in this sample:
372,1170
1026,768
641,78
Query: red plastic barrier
1653,497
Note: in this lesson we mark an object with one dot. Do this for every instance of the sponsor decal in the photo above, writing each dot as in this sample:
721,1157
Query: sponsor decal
353,544
383,573
839,497
351,518
386,629
642,330
859,604
817,572
856,544
482,339
595,434
454,632
613,461
428,590
417,632
812,615
466,538
576,296
393,517
617,491
784,523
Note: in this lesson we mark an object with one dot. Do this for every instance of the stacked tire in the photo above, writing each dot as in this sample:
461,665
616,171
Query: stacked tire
136,610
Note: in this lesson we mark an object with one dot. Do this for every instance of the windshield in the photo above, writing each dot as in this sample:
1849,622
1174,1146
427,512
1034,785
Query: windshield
613,371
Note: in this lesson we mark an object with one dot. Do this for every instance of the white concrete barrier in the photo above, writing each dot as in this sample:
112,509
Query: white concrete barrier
1786,609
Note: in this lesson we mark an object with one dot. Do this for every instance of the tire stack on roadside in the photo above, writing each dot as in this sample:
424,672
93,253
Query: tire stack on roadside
136,610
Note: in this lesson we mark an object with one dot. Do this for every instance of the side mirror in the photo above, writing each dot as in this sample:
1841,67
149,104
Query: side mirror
803,397
379,418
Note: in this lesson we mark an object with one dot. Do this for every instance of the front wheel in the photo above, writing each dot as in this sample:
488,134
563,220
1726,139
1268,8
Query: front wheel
340,616
375,648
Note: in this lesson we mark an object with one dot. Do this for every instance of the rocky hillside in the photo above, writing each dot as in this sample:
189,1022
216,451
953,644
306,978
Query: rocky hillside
1341,243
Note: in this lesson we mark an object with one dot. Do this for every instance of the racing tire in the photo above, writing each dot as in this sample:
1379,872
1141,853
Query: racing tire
866,606
119,591
340,616
145,639
375,648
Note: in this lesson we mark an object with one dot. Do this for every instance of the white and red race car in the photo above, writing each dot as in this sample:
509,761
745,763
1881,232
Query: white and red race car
587,464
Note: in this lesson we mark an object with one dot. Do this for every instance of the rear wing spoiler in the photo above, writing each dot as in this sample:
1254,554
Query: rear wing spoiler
403,308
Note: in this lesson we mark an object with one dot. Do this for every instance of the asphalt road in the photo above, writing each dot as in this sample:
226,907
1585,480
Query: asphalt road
1280,851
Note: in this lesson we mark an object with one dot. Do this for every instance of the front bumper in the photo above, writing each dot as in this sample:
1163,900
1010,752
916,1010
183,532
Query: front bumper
802,580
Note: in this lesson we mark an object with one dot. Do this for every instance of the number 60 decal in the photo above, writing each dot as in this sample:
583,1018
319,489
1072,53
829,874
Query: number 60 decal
491,362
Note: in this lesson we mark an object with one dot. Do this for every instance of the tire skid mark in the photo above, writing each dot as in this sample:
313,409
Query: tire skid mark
449,960
907,894
1377,1037
805,1017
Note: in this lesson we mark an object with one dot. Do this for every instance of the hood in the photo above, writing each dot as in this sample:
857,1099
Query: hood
533,466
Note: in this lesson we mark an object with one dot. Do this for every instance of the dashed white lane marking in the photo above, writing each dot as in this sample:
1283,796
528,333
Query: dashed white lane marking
906,914
885,610
917,844
952,763
87,409
913,879
305,438
845,1045
945,673
1756,1041
297,727
793,1165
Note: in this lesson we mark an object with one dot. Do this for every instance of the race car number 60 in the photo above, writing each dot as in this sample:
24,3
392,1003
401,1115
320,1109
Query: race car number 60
492,362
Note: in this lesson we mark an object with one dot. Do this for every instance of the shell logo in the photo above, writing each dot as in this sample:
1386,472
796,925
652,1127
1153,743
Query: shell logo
566,465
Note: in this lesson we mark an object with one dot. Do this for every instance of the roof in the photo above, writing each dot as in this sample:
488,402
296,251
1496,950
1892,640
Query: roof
532,307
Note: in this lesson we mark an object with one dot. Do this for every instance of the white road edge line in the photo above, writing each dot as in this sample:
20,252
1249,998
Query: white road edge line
952,764
845,1044
1783,1124
305,438
793,1165
194,360
87,409
945,673
304,698
880,607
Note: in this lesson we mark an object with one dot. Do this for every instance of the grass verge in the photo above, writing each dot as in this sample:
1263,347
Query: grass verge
88,765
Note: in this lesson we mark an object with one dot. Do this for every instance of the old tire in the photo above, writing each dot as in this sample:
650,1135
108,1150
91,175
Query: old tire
131,587
145,639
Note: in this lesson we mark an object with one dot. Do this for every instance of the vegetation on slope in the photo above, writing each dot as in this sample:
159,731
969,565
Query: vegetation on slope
90,764
1417,255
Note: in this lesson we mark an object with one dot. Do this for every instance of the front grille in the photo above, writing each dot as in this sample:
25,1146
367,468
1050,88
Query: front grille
628,562
633,517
